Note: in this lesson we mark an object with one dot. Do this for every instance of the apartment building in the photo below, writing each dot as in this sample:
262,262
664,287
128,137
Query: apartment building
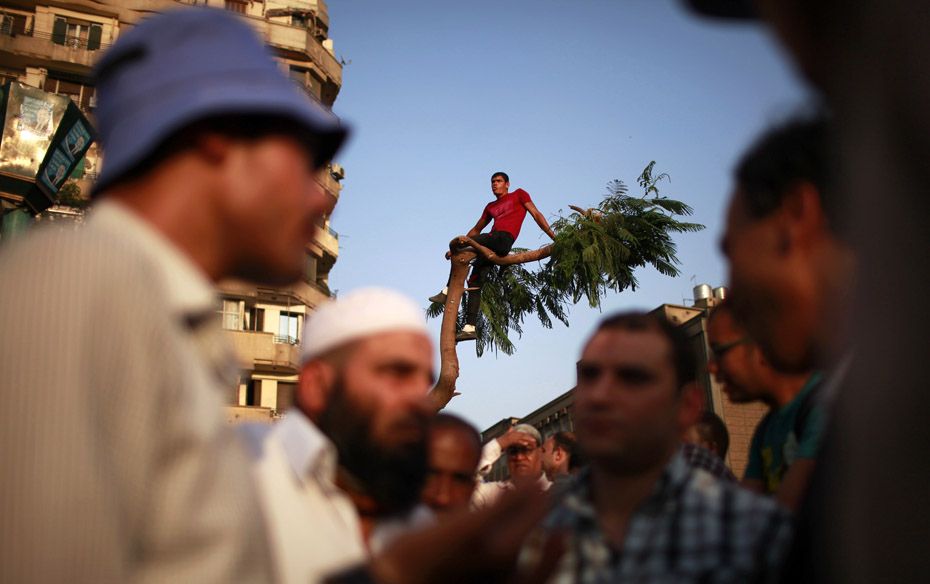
53,45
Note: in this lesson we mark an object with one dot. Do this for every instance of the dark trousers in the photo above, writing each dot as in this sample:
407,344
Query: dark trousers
500,243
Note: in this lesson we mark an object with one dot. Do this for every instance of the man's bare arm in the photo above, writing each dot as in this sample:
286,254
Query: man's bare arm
794,484
540,220
481,224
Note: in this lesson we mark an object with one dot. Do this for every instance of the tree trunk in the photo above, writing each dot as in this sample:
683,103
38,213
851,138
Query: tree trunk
463,250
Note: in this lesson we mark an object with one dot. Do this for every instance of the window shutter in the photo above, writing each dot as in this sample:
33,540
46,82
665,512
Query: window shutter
93,39
59,31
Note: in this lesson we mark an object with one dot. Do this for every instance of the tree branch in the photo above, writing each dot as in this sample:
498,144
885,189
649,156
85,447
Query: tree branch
463,250
508,260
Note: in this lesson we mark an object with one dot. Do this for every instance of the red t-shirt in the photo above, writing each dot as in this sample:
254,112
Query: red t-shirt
508,212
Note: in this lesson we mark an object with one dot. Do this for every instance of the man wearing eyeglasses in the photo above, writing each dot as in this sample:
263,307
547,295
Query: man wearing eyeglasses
785,443
523,446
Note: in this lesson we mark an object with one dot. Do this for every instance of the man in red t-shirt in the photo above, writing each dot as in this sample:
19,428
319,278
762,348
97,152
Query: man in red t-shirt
507,212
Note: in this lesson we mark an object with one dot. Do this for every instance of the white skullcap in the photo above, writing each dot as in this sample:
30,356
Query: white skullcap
360,313
527,429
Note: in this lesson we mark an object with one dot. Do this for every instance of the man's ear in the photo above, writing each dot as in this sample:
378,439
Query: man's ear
803,219
314,388
213,147
758,356
691,404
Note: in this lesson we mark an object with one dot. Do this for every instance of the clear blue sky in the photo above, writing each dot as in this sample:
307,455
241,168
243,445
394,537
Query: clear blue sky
564,96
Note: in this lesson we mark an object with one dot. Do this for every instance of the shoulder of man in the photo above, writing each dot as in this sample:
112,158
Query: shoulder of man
521,194
254,437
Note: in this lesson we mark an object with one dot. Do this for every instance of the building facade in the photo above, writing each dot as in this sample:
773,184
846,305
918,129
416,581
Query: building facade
53,45
740,419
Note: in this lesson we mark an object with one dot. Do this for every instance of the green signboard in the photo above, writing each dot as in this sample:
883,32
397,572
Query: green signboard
44,138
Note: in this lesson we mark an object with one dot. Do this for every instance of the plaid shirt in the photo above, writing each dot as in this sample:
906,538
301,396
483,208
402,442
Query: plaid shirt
693,528
700,457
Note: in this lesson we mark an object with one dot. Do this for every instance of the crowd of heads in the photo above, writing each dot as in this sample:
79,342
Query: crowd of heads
237,168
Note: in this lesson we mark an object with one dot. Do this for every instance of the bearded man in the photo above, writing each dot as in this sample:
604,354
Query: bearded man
341,475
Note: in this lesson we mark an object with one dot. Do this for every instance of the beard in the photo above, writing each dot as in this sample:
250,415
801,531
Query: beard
393,476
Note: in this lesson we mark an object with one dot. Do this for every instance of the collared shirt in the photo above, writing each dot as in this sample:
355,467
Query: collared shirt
488,492
187,289
692,528
114,383
700,457
312,524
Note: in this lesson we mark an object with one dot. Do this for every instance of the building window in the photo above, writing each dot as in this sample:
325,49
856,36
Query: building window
288,328
232,315
285,395
310,269
255,319
237,6
80,94
77,34
12,24
253,392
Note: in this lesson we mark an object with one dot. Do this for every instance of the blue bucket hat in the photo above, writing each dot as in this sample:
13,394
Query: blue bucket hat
187,65
731,9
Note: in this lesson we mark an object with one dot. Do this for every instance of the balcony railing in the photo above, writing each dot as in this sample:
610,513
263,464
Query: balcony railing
39,45
298,293
69,41
300,40
327,240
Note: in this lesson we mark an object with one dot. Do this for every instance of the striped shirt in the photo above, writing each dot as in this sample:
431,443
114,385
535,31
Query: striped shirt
116,463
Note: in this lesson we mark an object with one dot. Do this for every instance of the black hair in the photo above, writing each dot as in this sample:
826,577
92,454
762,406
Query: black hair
444,420
501,174
682,355
796,151
712,429
567,442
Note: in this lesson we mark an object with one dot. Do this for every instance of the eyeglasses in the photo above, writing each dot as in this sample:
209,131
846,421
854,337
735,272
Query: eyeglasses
519,450
720,350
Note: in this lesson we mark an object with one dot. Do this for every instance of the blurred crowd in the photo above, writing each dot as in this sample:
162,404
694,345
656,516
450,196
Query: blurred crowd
117,465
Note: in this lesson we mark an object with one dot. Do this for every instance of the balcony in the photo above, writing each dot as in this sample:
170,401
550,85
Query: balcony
300,292
36,48
265,352
299,40
307,294
330,184
327,240
239,414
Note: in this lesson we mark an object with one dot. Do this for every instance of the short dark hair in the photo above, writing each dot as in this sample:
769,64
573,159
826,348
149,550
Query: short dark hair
502,175
796,151
682,357
567,442
451,421
710,428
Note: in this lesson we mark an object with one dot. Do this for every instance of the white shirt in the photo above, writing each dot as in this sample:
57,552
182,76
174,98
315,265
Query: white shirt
312,524
488,492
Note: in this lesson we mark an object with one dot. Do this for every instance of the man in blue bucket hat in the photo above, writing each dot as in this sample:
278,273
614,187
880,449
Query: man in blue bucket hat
117,465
